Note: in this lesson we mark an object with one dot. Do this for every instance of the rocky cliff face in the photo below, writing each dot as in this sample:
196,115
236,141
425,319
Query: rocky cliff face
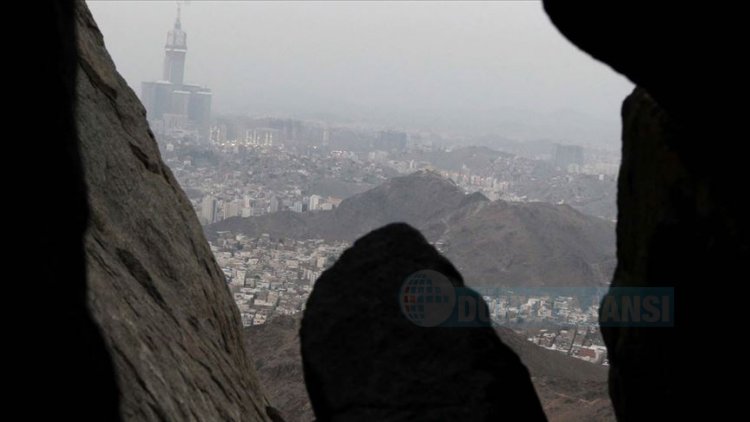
69,359
161,301
274,347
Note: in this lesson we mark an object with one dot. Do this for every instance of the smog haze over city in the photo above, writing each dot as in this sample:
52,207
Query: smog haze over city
462,68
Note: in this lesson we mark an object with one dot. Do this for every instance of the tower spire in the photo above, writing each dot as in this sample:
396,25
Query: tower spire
175,49
177,23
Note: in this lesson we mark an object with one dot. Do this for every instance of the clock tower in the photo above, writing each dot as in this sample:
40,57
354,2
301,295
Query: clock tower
174,57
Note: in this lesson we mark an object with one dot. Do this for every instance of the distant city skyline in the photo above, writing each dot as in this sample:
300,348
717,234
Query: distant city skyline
467,68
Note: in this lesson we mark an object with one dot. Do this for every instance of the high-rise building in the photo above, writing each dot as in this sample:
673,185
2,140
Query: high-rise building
390,140
174,107
208,209
314,202
568,155
273,205
232,209
175,50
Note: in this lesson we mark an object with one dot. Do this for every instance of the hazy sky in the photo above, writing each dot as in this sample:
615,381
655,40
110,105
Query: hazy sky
497,67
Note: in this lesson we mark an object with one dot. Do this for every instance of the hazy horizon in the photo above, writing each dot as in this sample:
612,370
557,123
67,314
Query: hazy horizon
462,67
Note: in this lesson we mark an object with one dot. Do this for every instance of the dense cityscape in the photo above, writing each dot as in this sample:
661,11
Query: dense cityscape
266,173
269,276
244,167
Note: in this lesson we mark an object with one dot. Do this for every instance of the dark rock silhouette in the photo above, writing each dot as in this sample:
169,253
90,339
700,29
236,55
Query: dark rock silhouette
661,47
682,219
364,360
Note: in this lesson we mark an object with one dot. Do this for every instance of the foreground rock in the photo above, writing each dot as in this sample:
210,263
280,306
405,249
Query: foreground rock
682,208
154,287
364,360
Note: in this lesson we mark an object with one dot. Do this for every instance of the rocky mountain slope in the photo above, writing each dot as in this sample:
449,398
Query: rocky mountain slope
161,301
570,389
420,199
493,243
531,245
275,349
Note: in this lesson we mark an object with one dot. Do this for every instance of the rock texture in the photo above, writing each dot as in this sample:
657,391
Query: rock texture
530,245
571,390
154,287
275,349
364,360
67,358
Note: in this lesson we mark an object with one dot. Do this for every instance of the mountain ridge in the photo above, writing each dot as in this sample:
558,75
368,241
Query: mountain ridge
495,243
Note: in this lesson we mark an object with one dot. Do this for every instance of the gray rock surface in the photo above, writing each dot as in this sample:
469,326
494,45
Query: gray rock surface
274,347
154,287
531,245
